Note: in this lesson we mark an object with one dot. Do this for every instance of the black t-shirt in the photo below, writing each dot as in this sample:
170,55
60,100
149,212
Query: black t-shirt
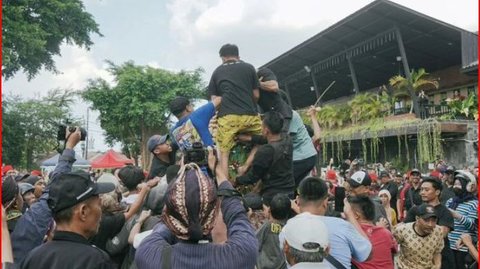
412,197
444,216
159,167
446,194
271,100
273,165
235,82
110,225
67,250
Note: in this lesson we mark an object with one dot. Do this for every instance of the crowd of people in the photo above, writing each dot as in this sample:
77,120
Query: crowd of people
187,211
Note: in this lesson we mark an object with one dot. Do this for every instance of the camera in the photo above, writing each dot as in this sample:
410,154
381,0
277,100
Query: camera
62,132
197,154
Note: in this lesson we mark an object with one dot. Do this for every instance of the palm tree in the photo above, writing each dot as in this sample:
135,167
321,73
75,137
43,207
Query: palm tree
363,107
328,116
419,81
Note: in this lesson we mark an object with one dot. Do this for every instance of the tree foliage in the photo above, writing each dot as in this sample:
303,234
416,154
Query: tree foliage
137,105
33,31
419,81
30,126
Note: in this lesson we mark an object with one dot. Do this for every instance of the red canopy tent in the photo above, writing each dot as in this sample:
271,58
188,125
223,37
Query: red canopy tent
110,159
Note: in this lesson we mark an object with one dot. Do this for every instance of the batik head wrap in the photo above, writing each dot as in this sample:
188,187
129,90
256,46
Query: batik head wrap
191,204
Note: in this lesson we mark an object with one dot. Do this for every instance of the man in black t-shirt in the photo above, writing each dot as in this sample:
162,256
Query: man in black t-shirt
270,99
163,155
447,187
272,163
236,82
430,190
412,195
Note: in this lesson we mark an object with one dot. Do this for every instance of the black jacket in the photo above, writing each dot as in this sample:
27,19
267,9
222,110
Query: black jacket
67,250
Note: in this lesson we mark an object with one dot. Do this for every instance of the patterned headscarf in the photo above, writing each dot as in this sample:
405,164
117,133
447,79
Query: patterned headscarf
191,204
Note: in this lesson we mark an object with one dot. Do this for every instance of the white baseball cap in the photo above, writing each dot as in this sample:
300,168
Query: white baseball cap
306,228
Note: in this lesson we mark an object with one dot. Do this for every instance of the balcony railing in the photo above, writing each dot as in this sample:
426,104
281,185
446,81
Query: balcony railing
433,111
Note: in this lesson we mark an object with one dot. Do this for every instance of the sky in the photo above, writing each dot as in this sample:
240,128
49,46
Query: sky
187,34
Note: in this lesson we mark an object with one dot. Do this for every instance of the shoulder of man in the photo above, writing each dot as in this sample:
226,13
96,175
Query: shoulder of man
265,149
438,231
402,227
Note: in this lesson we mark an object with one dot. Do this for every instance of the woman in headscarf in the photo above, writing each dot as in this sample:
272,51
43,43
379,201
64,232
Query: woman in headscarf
385,197
464,208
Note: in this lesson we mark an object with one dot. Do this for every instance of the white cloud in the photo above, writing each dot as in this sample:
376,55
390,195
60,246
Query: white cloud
265,29
78,68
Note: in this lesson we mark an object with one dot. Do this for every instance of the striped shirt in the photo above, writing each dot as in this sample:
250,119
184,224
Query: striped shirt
466,224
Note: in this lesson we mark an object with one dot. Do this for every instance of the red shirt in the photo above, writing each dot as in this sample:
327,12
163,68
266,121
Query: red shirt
383,245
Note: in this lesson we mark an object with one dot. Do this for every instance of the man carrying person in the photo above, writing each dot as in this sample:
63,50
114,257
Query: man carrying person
430,190
272,163
236,82
421,241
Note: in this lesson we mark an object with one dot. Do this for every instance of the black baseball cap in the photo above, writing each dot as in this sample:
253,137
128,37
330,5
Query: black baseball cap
426,211
178,105
73,188
450,169
359,178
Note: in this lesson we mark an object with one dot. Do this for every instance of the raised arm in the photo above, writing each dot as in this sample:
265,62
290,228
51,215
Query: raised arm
135,207
269,85
312,112
32,226
268,80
